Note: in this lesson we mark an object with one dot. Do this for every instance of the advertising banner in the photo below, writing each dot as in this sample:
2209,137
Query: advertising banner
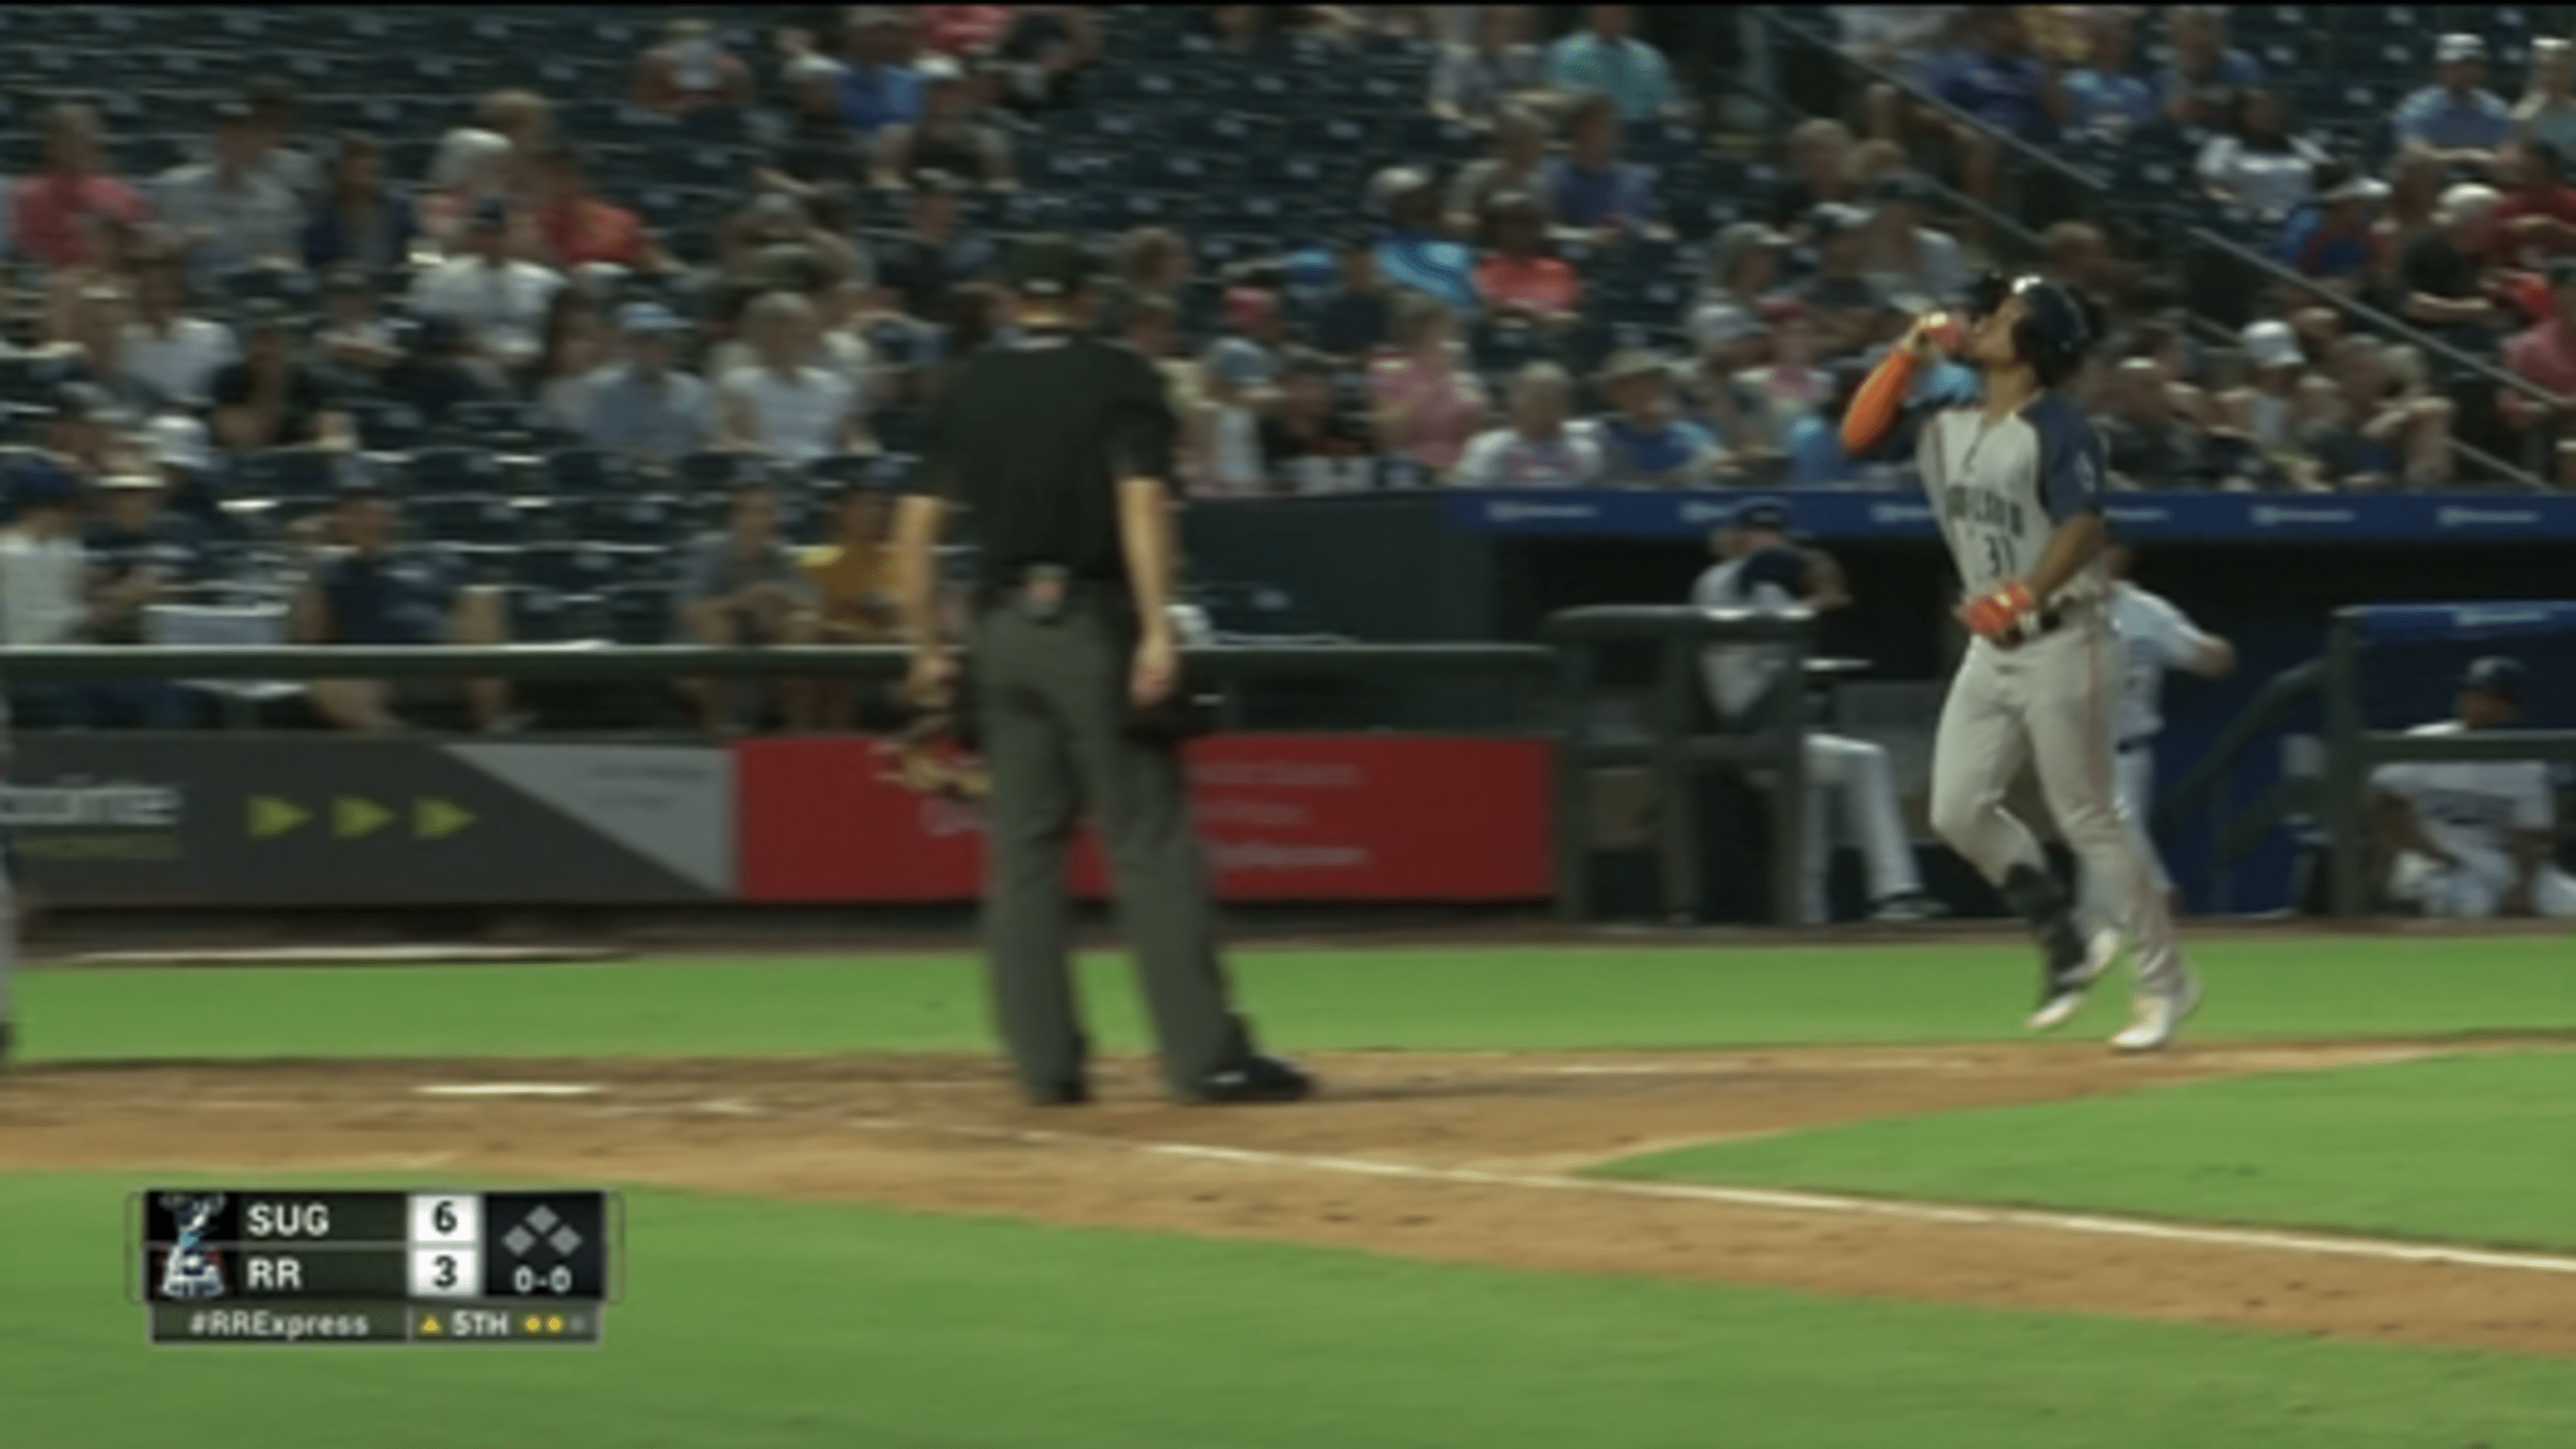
103,819
1860,513
1285,817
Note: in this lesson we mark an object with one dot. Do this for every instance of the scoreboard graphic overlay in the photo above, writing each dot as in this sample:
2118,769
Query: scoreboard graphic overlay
281,1266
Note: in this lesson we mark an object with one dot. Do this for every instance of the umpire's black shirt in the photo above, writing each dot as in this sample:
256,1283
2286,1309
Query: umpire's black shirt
1033,437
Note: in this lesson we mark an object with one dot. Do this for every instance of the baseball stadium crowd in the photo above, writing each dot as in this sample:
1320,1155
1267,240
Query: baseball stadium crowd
394,324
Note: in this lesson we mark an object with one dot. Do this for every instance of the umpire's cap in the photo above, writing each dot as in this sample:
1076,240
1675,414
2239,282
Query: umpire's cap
2496,674
1049,265
2055,326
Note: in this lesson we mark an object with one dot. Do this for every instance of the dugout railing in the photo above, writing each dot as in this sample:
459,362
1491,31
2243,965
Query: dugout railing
1673,750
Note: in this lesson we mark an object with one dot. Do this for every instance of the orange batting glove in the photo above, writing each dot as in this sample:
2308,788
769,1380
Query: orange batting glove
1994,615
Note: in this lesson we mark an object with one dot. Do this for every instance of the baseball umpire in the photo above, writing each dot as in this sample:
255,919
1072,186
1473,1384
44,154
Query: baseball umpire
1059,447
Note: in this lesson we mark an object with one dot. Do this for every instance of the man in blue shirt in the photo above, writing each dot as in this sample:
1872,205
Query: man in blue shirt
2457,118
1641,441
1996,79
2106,95
372,594
877,89
1414,254
646,409
2199,88
1603,57
2000,86
1589,187
2330,238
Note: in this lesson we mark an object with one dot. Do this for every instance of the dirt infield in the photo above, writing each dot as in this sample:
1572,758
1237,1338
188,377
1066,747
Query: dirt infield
1360,1168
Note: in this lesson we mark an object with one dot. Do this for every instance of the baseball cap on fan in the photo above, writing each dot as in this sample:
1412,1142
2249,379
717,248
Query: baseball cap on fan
2270,343
1049,266
2496,674
2459,45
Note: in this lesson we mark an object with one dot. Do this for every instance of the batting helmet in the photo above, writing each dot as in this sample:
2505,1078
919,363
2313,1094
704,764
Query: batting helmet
2055,327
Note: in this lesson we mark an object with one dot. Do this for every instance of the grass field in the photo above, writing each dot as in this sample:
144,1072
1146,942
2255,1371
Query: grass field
756,1322
1429,999
2465,1149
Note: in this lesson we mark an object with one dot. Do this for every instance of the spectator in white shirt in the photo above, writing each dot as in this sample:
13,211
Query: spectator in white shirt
1537,449
44,575
500,303
2261,165
1903,256
227,213
169,354
786,406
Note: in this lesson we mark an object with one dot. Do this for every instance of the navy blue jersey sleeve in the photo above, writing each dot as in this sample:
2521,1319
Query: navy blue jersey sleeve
1783,568
2070,458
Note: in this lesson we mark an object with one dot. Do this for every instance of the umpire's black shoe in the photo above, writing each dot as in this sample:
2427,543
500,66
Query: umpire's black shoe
1061,1094
1259,1079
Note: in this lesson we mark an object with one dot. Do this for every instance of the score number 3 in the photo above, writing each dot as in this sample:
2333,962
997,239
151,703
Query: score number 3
446,1273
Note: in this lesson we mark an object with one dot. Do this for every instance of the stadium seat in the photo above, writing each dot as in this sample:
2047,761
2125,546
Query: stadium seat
286,475
588,472
717,473
641,613
450,471
467,520
650,520
853,470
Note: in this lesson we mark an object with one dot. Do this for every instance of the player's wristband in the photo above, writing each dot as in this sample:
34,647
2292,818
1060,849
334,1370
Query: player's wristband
1994,613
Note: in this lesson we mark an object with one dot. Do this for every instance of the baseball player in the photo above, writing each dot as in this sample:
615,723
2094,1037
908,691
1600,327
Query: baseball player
2155,637
2472,838
1762,570
2016,481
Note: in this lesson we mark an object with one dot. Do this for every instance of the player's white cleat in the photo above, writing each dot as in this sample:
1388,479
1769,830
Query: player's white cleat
2064,993
2158,1015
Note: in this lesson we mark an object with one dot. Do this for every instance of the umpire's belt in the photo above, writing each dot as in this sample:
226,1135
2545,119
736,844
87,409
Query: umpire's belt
2133,744
1041,591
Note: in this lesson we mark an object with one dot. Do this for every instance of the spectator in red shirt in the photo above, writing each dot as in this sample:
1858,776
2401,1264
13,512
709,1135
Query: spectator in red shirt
687,70
1518,277
2545,356
962,30
54,209
578,228
2537,218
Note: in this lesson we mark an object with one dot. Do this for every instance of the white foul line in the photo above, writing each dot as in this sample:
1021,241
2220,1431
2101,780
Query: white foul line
1927,1212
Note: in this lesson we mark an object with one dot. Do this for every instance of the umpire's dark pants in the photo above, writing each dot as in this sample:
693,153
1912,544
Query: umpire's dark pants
1052,706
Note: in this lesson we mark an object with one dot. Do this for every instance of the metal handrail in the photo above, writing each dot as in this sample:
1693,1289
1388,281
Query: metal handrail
565,662
2276,698
2370,316
1777,19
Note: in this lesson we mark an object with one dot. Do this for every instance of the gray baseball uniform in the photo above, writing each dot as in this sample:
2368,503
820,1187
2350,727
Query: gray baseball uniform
2000,490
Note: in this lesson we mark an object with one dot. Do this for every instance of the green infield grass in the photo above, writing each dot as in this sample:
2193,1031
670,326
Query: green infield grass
2473,1148
754,1325
1430,999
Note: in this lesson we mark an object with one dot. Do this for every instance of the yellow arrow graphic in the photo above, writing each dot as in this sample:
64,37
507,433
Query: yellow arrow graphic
353,816
271,816
436,819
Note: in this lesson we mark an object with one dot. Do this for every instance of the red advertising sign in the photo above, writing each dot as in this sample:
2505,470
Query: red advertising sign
1285,817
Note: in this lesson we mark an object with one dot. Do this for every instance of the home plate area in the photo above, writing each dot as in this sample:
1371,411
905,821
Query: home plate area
1460,1156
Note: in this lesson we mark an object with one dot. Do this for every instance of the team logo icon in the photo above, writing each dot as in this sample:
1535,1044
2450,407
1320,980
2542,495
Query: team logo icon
192,1271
